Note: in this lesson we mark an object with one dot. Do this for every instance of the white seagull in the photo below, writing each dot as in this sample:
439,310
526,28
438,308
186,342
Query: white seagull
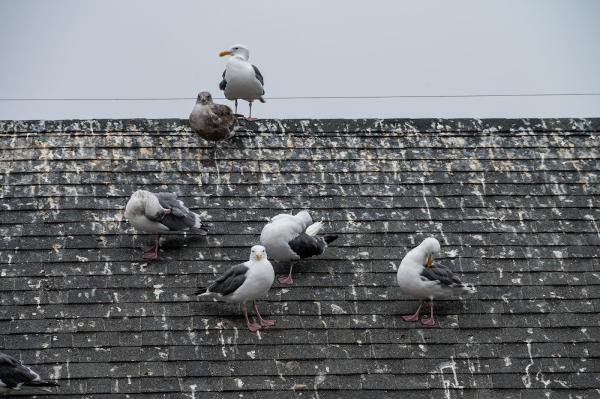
212,121
241,79
160,213
289,238
246,282
418,277
14,375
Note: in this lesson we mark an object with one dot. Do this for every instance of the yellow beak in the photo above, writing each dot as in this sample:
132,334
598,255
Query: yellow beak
224,53
258,256
429,261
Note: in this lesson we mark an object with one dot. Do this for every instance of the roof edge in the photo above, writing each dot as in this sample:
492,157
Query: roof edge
311,125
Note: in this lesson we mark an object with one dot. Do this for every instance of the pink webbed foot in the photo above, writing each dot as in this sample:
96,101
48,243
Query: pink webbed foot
268,323
412,317
428,321
285,279
415,316
150,253
254,327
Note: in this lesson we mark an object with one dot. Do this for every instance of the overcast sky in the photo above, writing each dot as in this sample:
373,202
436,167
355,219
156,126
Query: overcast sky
125,49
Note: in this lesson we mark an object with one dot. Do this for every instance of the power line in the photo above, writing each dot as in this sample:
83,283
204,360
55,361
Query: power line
314,97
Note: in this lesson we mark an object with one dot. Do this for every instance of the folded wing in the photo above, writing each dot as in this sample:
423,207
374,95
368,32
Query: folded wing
230,281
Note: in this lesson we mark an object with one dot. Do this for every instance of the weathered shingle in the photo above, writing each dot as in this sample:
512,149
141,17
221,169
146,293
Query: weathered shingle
515,204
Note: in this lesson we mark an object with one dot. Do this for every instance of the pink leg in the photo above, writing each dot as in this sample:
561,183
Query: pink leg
250,118
151,252
413,317
263,322
251,326
287,279
430,321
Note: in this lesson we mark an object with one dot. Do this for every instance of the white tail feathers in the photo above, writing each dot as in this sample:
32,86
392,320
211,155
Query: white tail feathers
464,287
197,221
314,229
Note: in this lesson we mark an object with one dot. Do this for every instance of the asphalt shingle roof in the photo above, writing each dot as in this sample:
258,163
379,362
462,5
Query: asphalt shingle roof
514,204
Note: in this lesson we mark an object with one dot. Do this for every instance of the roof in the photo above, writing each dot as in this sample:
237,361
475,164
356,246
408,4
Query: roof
514,204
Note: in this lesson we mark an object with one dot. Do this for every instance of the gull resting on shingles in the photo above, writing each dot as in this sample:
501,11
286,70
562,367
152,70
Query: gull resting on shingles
241,80
246,282
160,213
289,238
212,121
14,375
420,278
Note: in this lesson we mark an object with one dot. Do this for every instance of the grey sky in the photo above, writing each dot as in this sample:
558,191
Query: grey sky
116,48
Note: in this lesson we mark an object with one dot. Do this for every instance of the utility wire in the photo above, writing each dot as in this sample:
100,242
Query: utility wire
313,97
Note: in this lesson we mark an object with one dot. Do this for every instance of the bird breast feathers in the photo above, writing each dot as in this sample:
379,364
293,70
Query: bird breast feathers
259,279
238,70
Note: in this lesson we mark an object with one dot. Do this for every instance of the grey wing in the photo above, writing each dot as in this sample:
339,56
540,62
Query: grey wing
258,75
230,281
223,83
306,246
180,217
13,373
442,274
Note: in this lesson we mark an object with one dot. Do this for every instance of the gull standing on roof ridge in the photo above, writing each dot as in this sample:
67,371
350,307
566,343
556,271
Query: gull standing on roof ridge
212,121
289,238
160,213
246,282
14,375
241,79
418,277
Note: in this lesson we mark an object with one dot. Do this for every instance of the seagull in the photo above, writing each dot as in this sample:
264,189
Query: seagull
241,79
212,121
418,277
246,282
160,213
289,238
14,375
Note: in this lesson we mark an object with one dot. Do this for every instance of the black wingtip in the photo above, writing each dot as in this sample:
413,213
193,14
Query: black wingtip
330,238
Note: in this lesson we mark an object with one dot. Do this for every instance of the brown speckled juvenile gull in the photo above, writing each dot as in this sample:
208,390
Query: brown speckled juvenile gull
212,121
